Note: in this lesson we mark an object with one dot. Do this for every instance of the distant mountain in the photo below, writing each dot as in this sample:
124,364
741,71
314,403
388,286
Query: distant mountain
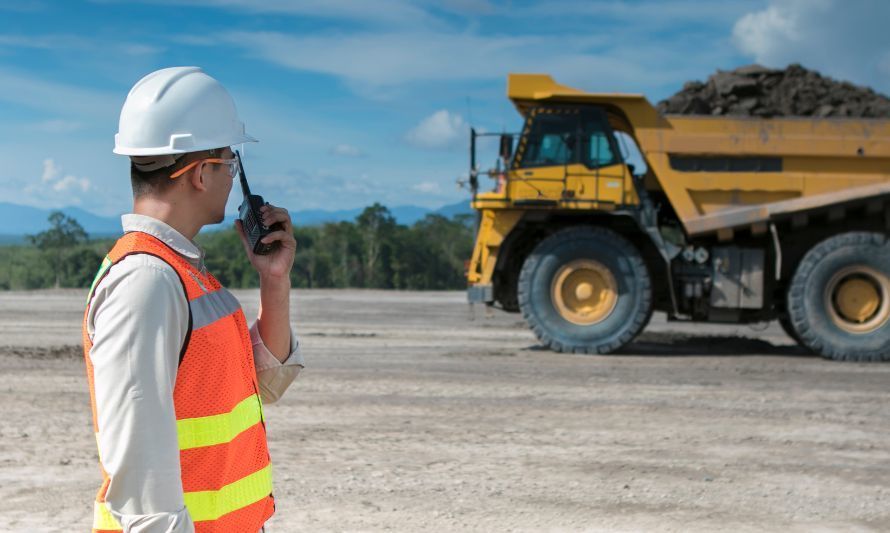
460,208
404,214
20,220
8,240
16,221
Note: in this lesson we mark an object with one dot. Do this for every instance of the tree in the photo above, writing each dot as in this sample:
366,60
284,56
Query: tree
372,251
376,224
63,234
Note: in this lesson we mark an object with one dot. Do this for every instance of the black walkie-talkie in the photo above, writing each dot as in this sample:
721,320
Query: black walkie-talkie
251,219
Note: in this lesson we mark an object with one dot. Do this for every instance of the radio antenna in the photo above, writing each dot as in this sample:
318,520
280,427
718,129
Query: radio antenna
245,188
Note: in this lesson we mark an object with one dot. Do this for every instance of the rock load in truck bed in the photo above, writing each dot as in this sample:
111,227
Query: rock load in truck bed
762,92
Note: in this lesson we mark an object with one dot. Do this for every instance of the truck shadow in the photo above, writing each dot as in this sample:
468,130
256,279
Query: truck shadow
682,344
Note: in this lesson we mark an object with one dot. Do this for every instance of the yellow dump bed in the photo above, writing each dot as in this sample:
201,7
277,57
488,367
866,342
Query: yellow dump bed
721,173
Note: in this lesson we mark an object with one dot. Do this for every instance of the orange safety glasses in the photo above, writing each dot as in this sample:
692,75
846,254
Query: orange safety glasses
233,166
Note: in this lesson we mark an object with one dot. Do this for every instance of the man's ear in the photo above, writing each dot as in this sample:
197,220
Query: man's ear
196,177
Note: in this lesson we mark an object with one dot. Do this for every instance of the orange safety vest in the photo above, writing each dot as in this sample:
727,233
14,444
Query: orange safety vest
224,459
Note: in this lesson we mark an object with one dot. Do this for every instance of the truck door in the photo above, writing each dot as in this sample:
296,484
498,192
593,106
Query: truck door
569,154
602,175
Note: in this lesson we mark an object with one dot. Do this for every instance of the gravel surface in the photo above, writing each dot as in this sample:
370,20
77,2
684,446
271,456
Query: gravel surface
412,416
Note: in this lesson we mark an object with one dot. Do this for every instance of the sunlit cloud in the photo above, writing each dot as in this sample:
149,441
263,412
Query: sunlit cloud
347,150
846,40
442,129
56,188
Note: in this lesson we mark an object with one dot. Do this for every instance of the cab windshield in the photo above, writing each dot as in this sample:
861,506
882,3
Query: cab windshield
563,136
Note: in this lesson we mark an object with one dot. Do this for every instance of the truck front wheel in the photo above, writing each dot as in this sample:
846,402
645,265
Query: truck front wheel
839,298
585,290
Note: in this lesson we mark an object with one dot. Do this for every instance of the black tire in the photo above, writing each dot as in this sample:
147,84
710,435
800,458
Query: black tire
808,306
788,328
632,308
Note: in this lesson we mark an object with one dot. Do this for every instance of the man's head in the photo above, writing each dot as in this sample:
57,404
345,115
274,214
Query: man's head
202,180
180,122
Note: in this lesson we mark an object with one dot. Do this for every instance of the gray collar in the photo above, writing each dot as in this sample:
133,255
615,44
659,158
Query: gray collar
166,234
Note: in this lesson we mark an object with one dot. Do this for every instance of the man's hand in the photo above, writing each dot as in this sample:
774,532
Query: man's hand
273,320
277,264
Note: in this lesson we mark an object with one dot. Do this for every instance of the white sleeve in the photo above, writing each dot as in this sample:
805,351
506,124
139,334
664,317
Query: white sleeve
139,319
273,376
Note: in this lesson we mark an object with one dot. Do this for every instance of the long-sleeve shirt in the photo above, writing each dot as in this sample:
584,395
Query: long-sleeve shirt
138,321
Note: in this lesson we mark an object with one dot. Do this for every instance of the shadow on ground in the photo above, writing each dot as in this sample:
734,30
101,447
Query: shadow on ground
664,344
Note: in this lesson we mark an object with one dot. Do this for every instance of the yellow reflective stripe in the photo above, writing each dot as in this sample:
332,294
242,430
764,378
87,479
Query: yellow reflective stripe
208,504
98,450
102,518
106,264
216,429
212,504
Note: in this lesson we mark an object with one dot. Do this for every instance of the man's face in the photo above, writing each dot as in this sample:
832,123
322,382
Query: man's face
219,185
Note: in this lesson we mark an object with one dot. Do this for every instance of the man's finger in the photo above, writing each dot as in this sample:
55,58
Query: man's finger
275,215
280,235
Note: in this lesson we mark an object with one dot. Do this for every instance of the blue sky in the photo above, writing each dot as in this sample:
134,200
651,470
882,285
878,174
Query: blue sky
356,102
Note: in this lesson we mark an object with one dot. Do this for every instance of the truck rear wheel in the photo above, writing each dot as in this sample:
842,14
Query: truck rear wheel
839,299
585,290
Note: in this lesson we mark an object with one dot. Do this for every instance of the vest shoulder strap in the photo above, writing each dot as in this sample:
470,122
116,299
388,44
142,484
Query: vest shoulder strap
138,243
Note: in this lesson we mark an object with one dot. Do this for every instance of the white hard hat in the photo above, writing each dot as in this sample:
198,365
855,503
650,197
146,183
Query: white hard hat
178,110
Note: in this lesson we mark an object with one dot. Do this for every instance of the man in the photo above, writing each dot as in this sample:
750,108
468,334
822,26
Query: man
175,374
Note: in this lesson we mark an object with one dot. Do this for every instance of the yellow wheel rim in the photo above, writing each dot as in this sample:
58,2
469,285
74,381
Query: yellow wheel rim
858,299
584,292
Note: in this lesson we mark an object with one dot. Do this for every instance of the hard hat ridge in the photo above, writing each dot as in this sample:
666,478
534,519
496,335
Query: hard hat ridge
169,81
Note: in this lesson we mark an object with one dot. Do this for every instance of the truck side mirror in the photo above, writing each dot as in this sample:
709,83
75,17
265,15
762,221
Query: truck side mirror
506,149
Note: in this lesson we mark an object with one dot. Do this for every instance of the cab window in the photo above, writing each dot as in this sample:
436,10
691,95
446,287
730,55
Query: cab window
563,136
551,141
599,148
600,151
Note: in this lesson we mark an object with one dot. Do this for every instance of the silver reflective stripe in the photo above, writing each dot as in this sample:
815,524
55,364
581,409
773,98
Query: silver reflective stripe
212,306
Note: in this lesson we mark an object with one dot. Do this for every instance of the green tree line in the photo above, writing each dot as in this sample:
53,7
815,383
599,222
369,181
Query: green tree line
373,251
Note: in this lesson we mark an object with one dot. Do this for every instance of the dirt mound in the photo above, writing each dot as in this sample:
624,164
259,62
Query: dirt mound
762,92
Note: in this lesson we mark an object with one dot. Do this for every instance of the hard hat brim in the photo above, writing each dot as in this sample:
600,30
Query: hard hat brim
165,150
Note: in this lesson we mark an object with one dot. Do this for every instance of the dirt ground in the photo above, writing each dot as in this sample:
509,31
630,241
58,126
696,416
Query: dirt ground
412,417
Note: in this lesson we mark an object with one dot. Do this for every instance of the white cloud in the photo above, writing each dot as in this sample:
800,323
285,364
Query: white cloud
71,183
318,189
442,129
139,49
376,63
44,42
59,98
845,40
427,187
70,42
768,33
552,37
379,11
411,13
51,171
347,150
384,59
57,188
666,13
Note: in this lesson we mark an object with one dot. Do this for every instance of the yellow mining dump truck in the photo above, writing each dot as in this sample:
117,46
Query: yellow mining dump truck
720,219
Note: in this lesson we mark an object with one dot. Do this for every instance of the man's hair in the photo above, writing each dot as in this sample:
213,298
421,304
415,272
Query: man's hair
157,181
